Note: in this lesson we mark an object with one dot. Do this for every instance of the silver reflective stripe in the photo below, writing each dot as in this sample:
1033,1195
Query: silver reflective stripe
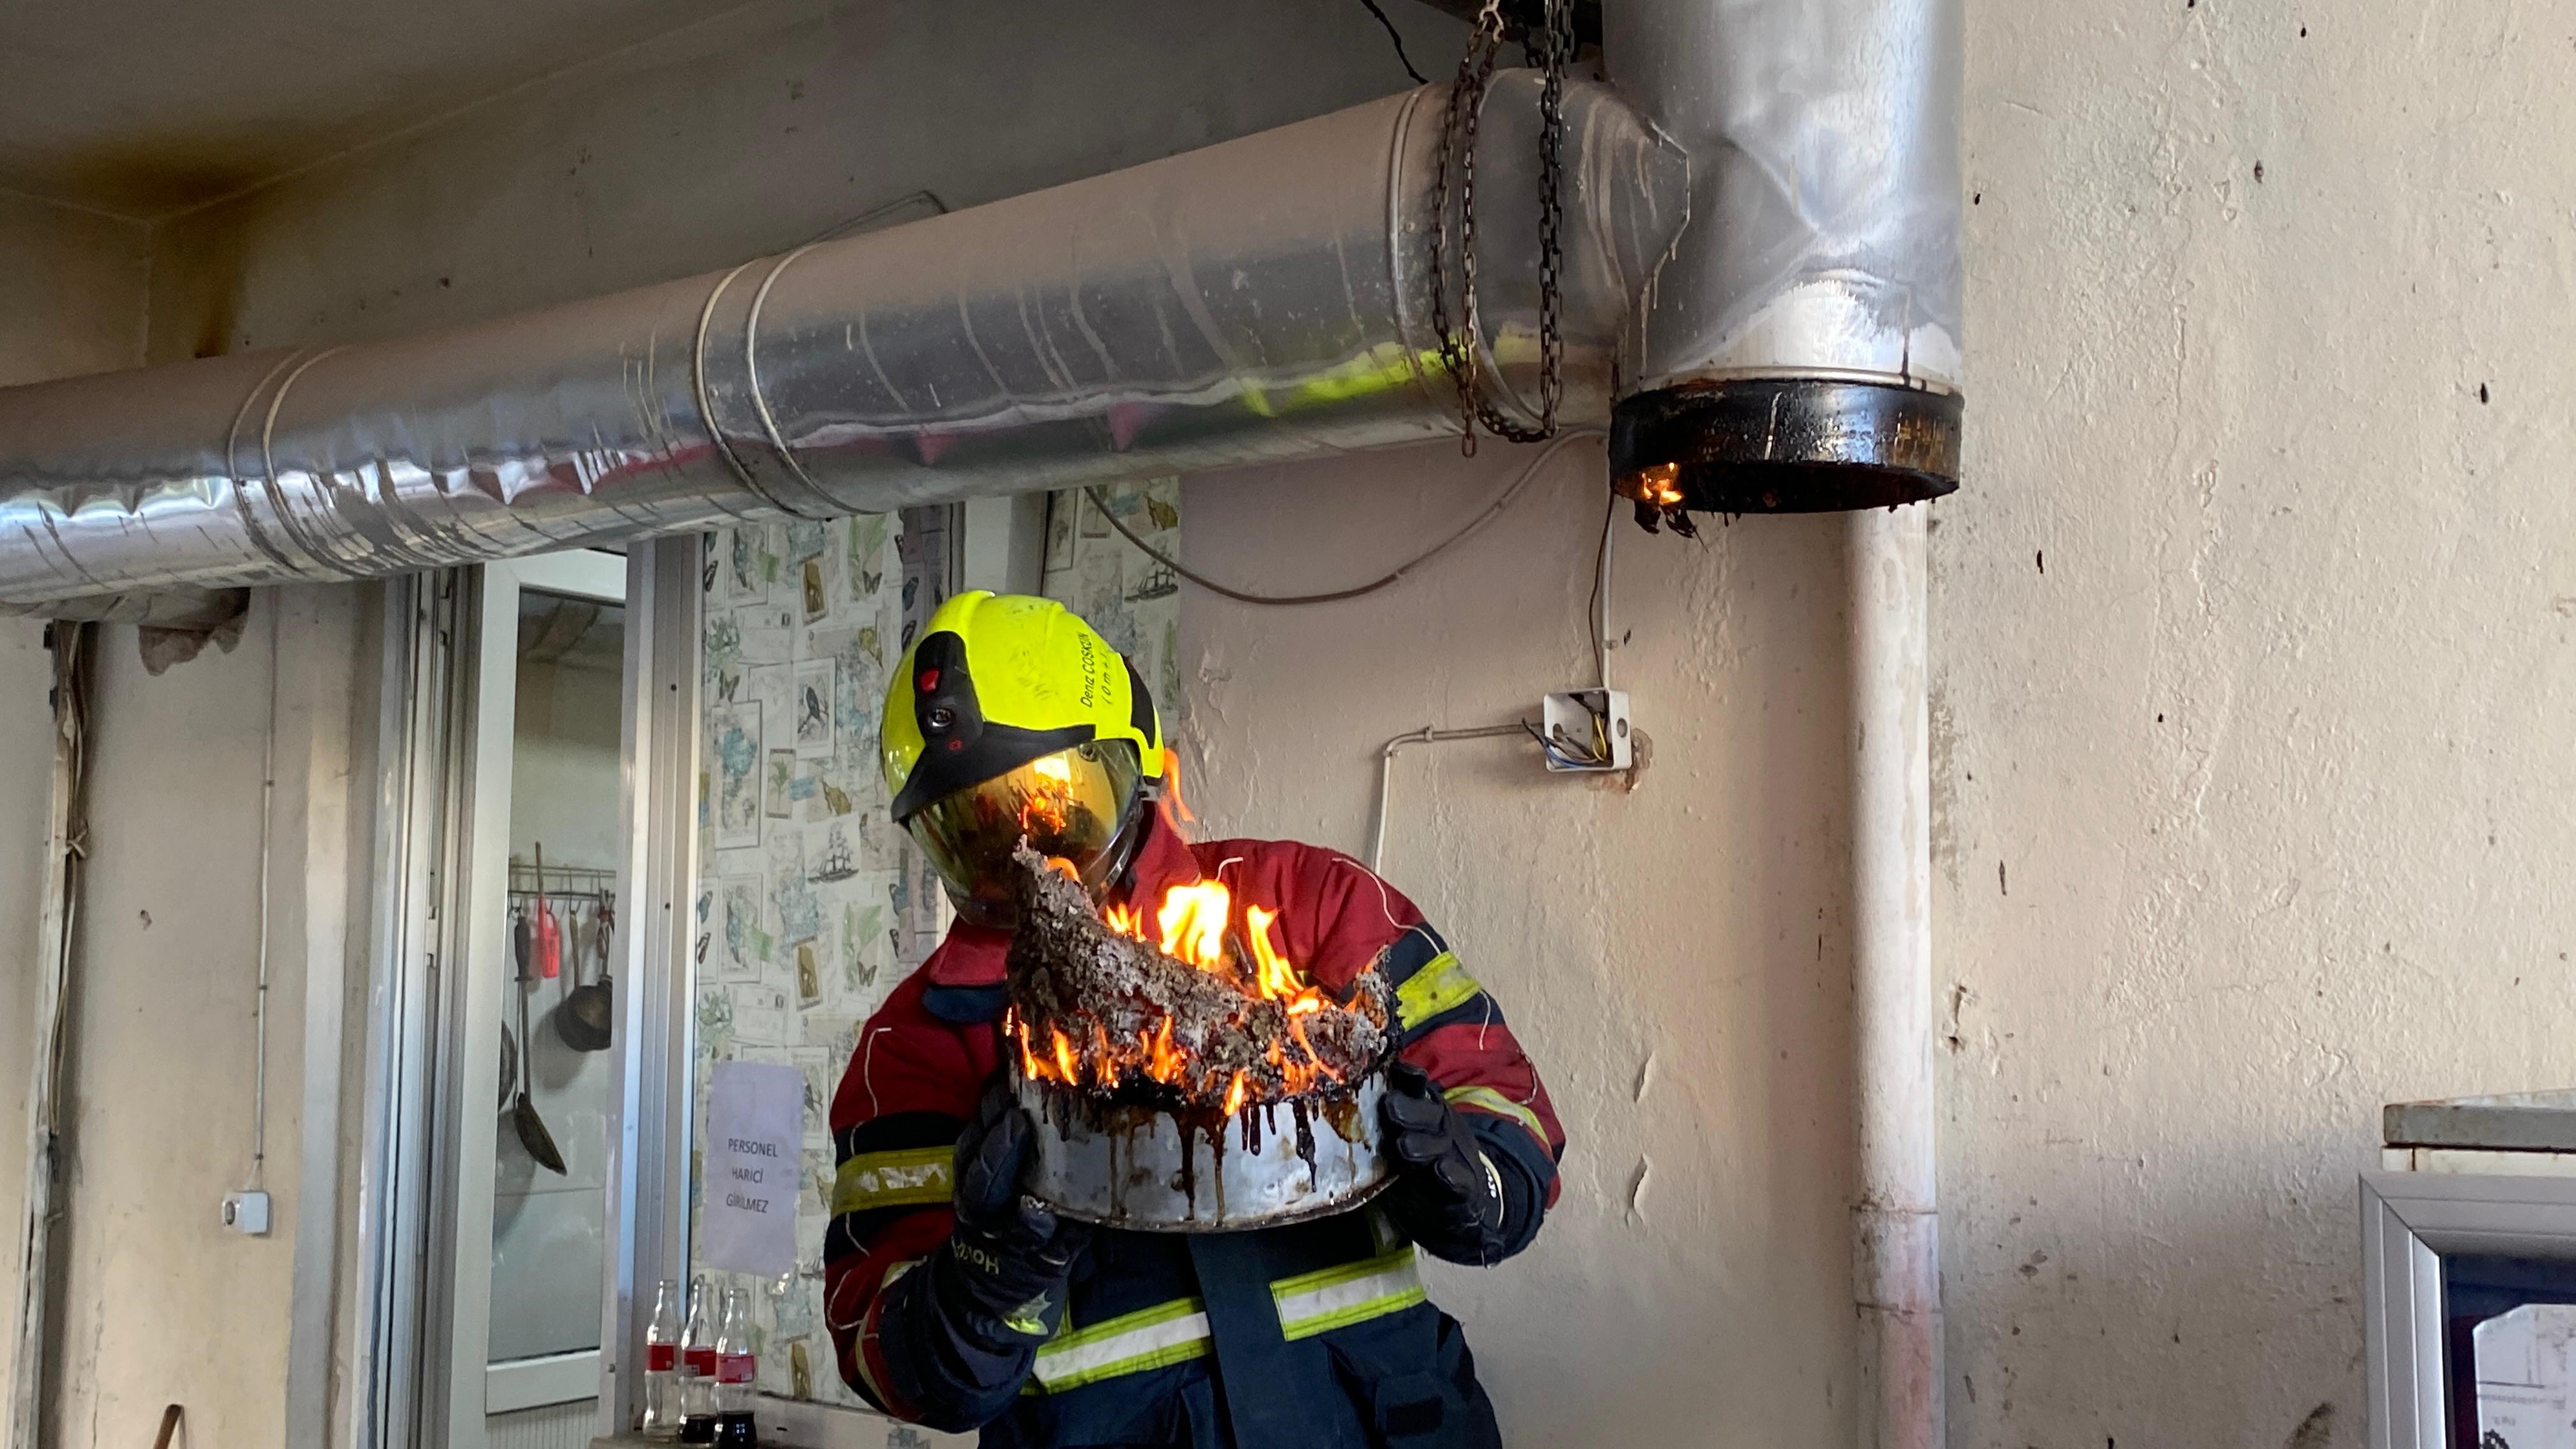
1150,1338
913,1176
1320,1302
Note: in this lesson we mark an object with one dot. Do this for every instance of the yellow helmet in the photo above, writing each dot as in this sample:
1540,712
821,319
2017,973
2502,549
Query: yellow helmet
1008,718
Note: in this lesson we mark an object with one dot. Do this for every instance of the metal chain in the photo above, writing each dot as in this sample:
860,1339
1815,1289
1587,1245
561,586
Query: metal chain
1461,353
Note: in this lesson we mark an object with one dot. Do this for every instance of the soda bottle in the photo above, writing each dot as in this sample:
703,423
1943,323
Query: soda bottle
734,1366
662,1363
698,1368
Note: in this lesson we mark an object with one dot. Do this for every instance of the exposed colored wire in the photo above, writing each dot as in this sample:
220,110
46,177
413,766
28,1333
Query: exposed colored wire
1501,501
1601,593
1398,37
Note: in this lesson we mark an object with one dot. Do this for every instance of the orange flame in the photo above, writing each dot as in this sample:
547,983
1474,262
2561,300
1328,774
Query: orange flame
1193,923
1176,807
1193,920
1163,1061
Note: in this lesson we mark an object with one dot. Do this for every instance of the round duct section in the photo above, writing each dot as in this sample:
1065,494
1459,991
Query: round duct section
1785,445
1798,349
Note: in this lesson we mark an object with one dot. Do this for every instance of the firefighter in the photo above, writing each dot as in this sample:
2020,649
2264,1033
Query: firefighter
956,1301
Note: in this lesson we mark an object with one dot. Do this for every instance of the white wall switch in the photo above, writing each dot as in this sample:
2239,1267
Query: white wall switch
247,1213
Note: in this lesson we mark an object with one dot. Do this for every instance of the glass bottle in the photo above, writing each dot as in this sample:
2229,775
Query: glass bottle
734,1365
698,1366
662,1363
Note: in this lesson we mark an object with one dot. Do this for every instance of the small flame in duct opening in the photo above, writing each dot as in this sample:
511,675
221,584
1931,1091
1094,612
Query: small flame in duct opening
1657,483
1196,924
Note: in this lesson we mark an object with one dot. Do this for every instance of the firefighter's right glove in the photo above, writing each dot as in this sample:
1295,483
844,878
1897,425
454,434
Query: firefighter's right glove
1447,1196
1001,1278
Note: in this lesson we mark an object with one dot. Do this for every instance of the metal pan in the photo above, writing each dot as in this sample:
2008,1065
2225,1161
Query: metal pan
1143,1169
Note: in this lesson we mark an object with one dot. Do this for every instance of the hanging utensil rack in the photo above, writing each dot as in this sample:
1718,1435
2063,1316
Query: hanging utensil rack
563,882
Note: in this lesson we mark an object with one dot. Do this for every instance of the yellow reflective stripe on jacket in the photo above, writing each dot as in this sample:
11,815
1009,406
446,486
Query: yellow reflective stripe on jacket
1498,1104
1441,985
1150,1338
892,1179
1319,1302
1176,1332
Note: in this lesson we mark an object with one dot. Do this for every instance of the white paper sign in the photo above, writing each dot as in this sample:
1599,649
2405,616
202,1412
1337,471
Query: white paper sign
755,1126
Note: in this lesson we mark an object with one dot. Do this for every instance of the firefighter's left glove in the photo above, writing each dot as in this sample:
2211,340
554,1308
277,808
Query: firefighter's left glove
1002,1275
1448,1197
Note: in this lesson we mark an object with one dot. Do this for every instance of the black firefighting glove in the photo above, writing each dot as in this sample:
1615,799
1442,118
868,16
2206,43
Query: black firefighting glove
1002,1274
960,1333
1447,1196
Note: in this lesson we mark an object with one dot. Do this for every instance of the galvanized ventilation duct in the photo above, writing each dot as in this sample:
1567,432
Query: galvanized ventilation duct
1257,300
1801,349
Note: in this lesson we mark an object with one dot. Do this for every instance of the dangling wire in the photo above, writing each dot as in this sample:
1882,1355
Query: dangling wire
1393,576
1398,37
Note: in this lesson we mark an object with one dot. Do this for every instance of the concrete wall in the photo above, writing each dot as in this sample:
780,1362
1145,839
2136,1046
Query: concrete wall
2254,802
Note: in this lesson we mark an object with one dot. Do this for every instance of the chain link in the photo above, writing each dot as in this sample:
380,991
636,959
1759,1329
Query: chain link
1461,352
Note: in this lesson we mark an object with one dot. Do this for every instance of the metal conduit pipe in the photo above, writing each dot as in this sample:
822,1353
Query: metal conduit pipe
1896,1220
1262,299
1800,352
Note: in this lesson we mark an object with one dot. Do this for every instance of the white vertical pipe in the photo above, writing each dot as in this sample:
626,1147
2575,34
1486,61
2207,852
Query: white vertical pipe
1896,1259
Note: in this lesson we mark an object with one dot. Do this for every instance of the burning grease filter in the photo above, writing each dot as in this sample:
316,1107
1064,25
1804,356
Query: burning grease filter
1183,1076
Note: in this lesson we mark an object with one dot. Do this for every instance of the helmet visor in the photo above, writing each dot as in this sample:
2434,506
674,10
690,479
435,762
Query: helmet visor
1069,805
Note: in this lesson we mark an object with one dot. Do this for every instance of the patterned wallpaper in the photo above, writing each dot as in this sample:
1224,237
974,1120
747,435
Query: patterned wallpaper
811,905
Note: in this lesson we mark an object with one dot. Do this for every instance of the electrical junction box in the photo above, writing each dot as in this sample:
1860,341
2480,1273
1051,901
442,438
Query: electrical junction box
247,1213
1586,732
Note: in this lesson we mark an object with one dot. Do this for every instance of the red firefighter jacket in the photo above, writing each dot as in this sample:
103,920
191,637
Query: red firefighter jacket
1315,1335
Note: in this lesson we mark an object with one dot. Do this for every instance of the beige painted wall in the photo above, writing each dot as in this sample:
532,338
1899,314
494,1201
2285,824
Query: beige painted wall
2274,759
1675,959
72,289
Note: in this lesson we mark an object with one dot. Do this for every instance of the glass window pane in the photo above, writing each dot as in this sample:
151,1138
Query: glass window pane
549,1231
